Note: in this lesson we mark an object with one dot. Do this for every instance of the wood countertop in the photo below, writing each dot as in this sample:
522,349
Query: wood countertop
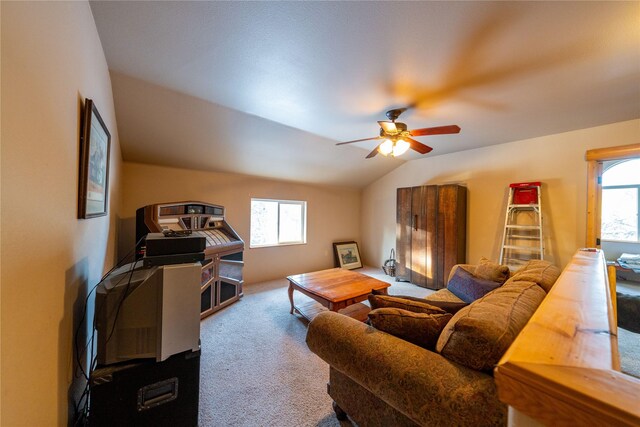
563,368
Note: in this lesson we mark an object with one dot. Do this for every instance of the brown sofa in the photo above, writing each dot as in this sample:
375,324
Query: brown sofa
381,380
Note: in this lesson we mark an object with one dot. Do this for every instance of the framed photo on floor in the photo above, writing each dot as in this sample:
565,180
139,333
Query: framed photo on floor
95,143
347,255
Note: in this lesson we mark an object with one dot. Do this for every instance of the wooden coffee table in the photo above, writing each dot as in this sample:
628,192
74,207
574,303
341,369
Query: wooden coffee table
336,289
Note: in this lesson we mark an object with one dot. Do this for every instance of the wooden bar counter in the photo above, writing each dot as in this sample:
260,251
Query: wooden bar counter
564,369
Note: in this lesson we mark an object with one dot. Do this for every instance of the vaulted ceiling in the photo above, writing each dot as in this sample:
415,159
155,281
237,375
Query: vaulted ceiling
268,88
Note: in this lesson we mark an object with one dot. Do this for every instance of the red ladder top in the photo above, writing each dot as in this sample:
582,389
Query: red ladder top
525,184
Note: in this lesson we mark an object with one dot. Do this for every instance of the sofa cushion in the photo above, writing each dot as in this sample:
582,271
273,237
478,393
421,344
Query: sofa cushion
489,270
442,295
468,287
452,305
387,301
538,271
478,335
417,328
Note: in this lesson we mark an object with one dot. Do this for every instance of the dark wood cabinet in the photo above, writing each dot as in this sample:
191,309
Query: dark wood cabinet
430,233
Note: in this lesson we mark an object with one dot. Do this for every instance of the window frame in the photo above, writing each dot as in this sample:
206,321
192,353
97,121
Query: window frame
303,225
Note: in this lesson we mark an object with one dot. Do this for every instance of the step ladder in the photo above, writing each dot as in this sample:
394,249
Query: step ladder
522,237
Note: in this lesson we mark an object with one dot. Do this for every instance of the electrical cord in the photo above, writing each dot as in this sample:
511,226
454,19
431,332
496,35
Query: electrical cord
124,296
81,407
86,302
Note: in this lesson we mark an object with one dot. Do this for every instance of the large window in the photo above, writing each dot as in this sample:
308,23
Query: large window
620,201
278,222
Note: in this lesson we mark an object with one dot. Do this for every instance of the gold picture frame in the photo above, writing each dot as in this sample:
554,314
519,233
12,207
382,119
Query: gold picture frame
95,145
347,255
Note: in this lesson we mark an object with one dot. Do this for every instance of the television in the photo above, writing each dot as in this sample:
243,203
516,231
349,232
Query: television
148,312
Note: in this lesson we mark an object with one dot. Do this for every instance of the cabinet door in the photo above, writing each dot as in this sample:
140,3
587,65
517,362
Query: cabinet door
419,236
424,210
403,234
431,240
452,230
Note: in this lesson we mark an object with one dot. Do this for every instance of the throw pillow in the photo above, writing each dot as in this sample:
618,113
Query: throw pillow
486,269
449,306
417,328
538,271
386,301
469,288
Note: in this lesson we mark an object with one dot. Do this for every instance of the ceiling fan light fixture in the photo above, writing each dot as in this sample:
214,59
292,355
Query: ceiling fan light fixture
397,139
386,147
400,147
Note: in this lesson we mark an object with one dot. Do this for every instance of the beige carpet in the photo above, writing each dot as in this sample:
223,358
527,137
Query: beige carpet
629,318
629,348
256,369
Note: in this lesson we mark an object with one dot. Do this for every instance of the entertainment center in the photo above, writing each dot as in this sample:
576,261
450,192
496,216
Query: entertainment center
188,264
147,321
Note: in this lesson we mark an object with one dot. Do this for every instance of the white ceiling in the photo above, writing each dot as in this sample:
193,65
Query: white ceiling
268,88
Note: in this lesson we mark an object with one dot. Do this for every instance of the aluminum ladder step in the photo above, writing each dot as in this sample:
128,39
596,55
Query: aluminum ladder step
522,237
529,206
524,227
522,248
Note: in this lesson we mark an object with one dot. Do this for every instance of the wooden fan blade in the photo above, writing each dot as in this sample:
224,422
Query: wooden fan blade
373,153
440,130
358,140
388,127
418,146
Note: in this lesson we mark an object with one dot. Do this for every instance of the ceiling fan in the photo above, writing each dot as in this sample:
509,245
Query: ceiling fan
397,139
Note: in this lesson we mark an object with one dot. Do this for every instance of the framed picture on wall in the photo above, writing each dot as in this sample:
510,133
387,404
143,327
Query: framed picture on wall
347,255
95,144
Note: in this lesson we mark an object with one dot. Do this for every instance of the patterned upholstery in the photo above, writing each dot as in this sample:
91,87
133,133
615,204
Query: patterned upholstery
382,380
388,301
489,270
443,295
421,329
538,271
479,334
423,385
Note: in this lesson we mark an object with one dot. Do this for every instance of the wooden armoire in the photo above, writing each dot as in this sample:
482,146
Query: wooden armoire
431,230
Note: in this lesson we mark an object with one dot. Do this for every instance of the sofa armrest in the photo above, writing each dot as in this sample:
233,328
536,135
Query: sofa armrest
423,385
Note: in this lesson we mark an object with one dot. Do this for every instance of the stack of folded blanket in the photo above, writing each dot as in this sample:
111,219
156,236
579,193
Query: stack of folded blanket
630,261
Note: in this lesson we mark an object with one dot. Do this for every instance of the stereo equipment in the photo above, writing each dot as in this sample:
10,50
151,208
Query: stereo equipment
174,243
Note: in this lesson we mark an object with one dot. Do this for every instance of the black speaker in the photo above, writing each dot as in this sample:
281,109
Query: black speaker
147,393
169,244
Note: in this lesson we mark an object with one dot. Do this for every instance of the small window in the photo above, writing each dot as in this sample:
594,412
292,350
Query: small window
278,222
621,201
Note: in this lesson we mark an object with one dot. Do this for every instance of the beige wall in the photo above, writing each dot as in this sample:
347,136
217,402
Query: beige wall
51,60
333,214
556,160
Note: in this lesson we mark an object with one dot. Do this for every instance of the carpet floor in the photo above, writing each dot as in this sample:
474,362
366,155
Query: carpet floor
628,326
255,367
629,348
256,370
